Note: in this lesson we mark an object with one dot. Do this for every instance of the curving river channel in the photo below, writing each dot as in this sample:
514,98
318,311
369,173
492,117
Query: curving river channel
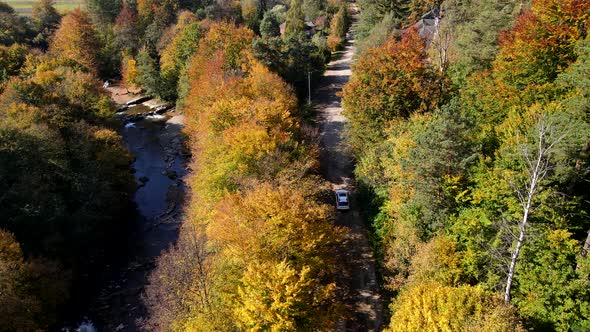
160,163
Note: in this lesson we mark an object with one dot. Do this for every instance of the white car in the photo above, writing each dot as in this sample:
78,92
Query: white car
342,199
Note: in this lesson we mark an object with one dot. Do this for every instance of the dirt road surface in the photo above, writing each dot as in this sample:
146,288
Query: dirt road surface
358,265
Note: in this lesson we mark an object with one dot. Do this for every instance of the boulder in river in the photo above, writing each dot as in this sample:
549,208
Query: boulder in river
171,174
138,100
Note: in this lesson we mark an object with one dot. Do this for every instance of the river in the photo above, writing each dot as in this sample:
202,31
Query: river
112,300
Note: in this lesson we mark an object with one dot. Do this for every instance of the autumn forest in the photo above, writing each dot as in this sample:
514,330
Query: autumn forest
465,125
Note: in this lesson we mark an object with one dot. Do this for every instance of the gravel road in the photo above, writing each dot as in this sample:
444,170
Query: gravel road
358,265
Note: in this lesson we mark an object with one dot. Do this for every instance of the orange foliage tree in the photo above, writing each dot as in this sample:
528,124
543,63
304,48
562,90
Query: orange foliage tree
541,43
237,106
393,80
539,47
252,204
76,39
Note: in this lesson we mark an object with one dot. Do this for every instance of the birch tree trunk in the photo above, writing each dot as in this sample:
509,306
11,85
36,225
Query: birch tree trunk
537,169
586,246
523,225
442,42
585,249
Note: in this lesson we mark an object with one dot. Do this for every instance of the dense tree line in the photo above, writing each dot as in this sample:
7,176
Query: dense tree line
65,178
256,249
473,146
148,43
64,172
155,39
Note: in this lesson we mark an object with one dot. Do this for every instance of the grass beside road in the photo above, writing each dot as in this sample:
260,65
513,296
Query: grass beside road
24,7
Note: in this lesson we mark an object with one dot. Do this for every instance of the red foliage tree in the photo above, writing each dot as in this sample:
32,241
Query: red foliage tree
393,80
542,41
126,28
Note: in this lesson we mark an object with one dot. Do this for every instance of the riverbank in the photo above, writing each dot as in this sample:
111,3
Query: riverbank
156,142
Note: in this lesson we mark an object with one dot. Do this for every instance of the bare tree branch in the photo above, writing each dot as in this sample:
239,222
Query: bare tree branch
536,171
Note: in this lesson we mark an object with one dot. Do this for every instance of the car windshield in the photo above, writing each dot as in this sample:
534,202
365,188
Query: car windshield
343,203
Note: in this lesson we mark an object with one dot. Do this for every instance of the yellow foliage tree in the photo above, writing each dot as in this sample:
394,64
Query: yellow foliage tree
437,260
129,71
287,253
277,297
338,26
262,225
249,12
239,114
269,243
432,307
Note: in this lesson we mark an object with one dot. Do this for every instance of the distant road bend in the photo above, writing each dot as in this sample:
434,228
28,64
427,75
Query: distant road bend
357,263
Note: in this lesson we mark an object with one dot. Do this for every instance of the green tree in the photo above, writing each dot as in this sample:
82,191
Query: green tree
340,22
147,72
528,163
478,27
417,8
524,203
45,20
575,81
269,26
103,12
18,307
436,166
13,28
314,8
294,21
378,34
399,8
126,29
561,297
292,58
338,27
175,56
12,58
